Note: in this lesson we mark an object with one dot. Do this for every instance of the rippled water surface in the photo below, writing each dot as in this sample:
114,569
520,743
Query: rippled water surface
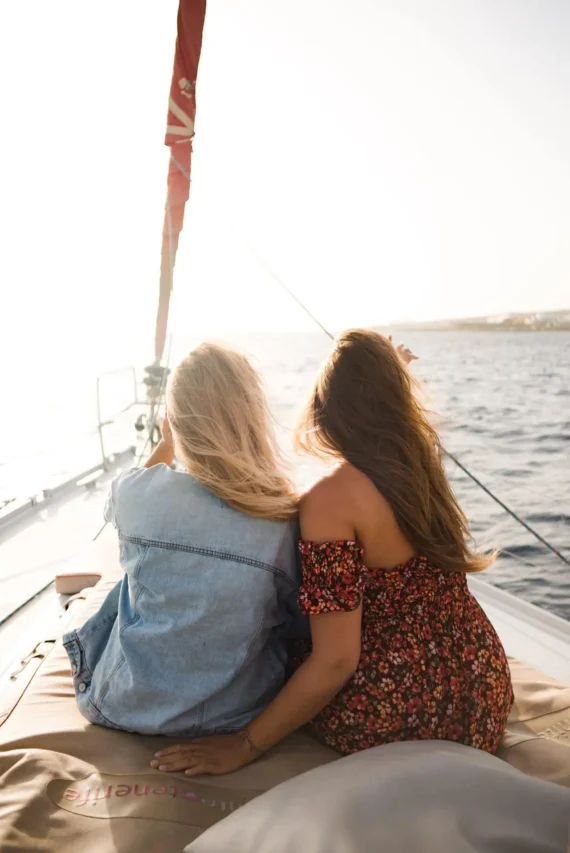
505,403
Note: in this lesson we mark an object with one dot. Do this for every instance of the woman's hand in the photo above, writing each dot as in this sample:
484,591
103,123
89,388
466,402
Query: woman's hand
405,354
166,431
214,755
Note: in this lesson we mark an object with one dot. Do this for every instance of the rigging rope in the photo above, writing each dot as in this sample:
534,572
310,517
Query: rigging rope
520,559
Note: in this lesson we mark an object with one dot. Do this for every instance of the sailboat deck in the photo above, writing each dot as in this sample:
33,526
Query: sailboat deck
33,549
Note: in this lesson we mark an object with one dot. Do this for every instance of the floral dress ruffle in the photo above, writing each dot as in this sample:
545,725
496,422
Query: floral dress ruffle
431,664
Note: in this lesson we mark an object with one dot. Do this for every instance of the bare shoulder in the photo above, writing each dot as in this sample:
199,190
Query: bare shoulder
356,482
334,507
324,512
343,485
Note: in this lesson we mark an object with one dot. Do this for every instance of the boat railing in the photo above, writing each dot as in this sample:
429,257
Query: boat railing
102,423
89,475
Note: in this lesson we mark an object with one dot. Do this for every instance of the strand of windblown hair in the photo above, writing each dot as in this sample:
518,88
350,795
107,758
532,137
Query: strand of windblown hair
453,458
507,509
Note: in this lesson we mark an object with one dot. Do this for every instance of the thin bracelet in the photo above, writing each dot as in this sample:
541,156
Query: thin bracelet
255,750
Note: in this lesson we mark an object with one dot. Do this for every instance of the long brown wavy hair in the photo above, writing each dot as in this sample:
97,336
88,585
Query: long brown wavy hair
365,409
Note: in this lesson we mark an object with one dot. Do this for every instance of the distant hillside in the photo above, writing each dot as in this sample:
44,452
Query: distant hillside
538,322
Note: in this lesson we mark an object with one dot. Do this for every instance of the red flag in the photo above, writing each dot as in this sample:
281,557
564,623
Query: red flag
179,134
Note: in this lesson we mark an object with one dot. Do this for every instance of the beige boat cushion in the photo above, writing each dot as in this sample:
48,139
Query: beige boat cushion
415,797
70,786
70,583
537,739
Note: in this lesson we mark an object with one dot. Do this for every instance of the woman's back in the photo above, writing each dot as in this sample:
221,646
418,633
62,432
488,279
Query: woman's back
350,499
189,642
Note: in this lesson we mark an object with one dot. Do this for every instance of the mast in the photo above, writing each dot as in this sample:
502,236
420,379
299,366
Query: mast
179,136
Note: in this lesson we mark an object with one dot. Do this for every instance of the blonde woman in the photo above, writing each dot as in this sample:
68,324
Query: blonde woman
191,640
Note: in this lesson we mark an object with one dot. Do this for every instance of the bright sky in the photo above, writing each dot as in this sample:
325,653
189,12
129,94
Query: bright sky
390,160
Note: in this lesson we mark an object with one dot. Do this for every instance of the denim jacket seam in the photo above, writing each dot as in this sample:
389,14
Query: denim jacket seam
253,638
141,588
140,560
107,720
207,552
107,683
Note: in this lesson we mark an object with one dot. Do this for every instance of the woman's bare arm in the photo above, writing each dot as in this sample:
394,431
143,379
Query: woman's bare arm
335,656
164,450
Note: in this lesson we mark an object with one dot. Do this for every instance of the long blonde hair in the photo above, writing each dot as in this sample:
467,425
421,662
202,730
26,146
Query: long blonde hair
223,432
364,409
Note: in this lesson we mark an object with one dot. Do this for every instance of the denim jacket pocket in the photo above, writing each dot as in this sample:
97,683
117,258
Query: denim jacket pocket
79,670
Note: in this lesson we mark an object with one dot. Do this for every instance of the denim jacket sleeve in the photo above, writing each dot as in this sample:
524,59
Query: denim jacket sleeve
109,511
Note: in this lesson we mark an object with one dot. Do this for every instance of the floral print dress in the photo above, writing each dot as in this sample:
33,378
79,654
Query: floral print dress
431,665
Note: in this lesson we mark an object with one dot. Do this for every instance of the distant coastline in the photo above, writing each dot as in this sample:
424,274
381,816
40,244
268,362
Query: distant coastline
545,321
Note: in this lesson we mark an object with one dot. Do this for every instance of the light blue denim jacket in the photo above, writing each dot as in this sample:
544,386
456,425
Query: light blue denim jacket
192,639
